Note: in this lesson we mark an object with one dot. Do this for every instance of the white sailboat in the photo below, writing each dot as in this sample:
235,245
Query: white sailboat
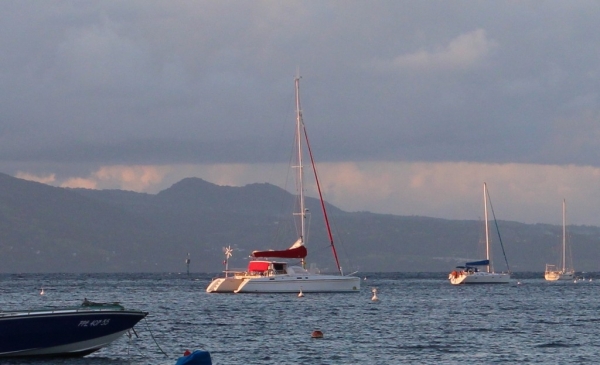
552,272
267,276
470,273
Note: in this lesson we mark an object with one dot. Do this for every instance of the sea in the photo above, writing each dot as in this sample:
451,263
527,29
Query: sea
419,318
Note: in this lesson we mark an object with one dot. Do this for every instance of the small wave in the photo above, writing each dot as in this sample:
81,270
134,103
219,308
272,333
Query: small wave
474,329
544,321
556,344
437,347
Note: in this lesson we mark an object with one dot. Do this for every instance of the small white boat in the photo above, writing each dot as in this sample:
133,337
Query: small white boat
265,275
553,273
470,273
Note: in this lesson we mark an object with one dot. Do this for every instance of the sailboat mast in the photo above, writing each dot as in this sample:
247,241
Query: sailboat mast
302,131
487,233
300,171
564,253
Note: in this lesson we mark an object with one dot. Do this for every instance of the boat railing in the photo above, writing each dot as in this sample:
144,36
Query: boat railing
17,313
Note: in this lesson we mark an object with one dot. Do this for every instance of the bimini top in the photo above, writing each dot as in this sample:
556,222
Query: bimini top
478,263
297,251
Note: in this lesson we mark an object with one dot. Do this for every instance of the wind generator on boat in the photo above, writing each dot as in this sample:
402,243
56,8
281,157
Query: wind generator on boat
265,275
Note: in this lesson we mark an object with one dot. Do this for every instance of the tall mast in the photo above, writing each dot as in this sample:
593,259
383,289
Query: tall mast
301,130
300,171
487,233
564,253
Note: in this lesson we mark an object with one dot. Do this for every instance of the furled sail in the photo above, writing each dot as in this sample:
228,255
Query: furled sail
478,263
297,251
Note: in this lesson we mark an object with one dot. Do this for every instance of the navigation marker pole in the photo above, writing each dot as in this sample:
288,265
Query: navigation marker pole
187,262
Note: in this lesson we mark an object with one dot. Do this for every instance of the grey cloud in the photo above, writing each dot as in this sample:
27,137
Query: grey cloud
166,82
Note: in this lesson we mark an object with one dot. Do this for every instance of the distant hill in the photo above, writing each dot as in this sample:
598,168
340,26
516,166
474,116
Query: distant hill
50,229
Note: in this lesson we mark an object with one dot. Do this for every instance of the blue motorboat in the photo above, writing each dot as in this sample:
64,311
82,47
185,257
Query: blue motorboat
64,331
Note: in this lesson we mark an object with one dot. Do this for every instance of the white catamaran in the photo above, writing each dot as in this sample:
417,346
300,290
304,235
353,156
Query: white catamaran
470,273
267,276
552,272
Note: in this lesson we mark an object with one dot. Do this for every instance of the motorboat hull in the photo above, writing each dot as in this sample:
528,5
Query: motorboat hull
63,332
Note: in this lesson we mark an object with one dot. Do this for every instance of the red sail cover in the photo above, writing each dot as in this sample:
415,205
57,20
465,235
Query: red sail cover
260,266
299,252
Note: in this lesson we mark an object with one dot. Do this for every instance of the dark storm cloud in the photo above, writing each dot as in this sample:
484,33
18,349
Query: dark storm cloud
161,82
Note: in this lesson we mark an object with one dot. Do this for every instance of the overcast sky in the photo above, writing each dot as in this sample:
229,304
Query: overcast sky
410,105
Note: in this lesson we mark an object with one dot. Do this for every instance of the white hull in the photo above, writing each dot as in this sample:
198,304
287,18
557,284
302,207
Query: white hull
479,278
307,283
294,284
559,275
224,285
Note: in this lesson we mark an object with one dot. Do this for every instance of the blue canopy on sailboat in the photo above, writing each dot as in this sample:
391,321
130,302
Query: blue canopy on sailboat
478,263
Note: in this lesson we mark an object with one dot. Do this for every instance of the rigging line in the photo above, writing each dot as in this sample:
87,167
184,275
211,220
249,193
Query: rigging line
498,230
312,162
294,202
340,242
285,224
139,352
152,335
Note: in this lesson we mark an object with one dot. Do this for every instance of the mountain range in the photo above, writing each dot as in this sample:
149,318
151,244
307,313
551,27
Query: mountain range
51,229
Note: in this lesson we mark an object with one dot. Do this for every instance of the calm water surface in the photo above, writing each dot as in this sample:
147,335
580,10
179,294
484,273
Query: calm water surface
420,318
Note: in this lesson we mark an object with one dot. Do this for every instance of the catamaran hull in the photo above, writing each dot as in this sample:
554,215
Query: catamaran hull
224,285
286,284
283,284
555,276
480,278
62,333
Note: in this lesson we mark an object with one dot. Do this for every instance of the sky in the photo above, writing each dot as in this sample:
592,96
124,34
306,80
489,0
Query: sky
410,105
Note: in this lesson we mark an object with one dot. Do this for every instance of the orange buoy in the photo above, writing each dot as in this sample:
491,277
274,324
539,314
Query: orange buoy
317,334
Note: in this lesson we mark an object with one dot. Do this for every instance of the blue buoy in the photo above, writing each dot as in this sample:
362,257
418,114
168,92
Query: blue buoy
197,357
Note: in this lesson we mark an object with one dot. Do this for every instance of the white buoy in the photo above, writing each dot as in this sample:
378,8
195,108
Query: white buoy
374,295
301,294
42,292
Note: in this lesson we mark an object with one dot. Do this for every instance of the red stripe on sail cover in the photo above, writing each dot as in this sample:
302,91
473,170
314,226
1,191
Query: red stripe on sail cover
291,253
